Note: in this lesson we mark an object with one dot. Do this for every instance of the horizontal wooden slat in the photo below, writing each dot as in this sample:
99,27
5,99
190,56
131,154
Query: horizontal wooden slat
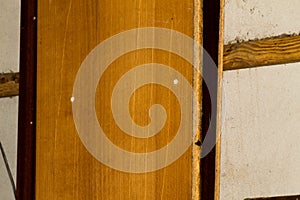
269,51
277,198
9,84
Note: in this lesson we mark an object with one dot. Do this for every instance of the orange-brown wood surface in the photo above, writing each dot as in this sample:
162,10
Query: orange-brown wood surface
67,31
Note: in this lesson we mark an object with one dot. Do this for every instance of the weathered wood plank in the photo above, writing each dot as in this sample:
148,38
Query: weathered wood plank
297,197
270,51
9,84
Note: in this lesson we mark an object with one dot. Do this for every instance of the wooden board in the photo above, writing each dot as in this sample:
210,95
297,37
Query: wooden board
9,84
276,198
270,51
67,32
219,122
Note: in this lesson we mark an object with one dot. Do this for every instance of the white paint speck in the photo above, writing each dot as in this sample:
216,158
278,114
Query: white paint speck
72,99
175,81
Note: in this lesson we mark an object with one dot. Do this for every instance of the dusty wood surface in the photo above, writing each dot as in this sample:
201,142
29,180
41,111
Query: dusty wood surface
67,32
269,51
9,84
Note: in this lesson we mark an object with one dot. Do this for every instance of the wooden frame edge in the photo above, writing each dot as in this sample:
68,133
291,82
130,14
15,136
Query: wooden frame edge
219,101
27,102
197,107
27,98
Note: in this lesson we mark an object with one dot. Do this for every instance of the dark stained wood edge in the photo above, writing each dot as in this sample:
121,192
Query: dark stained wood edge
297,197
269,51
27,102
211,19
9,84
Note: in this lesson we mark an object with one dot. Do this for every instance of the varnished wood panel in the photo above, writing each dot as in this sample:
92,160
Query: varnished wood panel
67,32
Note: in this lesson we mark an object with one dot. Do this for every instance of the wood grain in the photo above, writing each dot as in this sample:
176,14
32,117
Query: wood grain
219,101
296,197
269,51
197,106
67,32
9,84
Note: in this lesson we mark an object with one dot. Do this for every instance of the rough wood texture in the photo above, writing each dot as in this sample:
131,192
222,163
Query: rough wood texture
219,102
9,84
67,32
269,51
276,198
197,106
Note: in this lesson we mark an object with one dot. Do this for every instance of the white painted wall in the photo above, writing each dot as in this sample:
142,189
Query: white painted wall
261,135
260,153
9,61
250,19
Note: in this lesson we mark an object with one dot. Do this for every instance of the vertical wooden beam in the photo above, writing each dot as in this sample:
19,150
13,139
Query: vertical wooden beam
68,31
197,106
27,102
219,102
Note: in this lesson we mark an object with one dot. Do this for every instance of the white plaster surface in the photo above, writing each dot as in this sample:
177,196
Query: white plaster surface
9,35
9,61
8,137
250,19
260,151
